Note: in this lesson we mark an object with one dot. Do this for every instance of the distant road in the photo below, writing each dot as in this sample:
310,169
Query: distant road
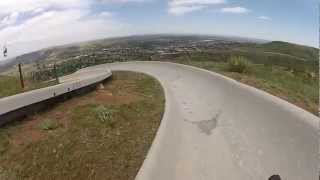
215,128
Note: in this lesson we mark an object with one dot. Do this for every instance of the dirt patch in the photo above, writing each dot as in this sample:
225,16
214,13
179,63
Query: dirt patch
105,95
27,133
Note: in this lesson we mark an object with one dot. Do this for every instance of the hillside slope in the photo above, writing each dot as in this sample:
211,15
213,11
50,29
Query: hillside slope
305,52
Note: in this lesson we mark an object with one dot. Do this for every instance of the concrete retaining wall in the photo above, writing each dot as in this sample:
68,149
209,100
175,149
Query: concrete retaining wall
19,105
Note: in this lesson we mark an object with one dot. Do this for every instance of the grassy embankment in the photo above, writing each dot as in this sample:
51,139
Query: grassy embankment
288,77
101,135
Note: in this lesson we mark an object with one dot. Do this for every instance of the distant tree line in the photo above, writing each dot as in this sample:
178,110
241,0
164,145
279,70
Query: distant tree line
43,72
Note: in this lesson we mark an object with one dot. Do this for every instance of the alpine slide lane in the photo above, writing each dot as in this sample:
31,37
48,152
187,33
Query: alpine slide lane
215,128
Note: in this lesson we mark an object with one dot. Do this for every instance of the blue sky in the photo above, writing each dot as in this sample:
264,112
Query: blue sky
29,25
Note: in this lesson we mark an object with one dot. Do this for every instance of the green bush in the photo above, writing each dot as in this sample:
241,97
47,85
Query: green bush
239,65
103,114
49,124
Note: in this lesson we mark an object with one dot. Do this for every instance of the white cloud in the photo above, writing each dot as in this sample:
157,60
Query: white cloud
106,14
10,19
266,18
181,7
38,11
181,10
123,1
59,27
195,2
235,10
53,22
9,6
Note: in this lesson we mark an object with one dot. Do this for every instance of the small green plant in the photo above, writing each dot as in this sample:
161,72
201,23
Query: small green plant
239,65
49,124
103,114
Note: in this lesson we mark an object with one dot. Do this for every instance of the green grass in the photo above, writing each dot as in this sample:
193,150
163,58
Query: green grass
49,124
305,52
291,56
4,141
239,65
105,134
10,85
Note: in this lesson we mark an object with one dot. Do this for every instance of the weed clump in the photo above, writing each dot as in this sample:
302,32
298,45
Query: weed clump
49,124
239,65
103,114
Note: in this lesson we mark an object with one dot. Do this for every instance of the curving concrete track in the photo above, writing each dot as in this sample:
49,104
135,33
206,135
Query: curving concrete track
216,128
213,127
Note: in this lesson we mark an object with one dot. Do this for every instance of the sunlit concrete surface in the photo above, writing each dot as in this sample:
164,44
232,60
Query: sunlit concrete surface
215,128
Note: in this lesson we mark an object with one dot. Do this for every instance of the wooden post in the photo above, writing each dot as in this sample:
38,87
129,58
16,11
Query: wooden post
56,73
189,57
21,76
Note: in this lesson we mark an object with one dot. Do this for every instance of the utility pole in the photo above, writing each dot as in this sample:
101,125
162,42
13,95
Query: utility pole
21,76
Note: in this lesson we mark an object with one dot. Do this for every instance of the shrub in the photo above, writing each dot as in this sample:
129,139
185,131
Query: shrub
103,114
239,65
49,124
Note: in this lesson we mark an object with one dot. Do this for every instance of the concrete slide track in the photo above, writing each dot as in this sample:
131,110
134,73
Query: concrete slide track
215,128
80,79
